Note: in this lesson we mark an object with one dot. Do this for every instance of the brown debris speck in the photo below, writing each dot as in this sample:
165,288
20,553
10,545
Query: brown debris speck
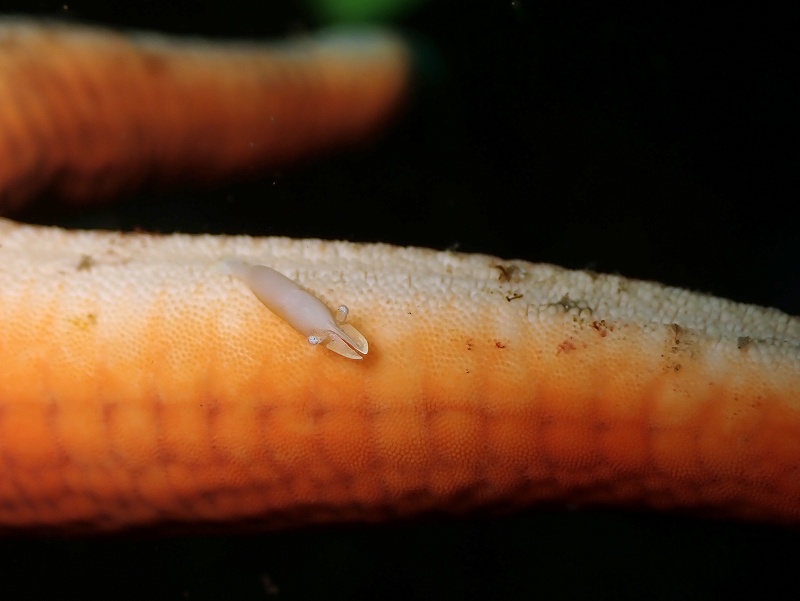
508,273
86,263
565,347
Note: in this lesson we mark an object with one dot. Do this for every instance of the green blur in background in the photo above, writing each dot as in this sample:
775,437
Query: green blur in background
361,11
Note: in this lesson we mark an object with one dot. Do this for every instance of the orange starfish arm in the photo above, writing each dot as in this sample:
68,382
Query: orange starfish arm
88,114
138,386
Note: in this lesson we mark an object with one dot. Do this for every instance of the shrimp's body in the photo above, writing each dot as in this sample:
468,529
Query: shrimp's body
299,308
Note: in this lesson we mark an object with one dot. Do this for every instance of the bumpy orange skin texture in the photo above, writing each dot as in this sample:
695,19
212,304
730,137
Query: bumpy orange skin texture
87,114
139,386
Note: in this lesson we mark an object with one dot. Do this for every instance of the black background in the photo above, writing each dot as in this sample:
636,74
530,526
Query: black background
658,141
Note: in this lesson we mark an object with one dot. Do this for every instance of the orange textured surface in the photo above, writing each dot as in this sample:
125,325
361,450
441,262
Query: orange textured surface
88,114
138,386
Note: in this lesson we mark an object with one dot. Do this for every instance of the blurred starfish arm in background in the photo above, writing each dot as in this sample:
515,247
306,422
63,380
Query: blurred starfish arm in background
89,114
139,386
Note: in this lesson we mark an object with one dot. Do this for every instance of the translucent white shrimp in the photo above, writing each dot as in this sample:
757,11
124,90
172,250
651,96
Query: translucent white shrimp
299,308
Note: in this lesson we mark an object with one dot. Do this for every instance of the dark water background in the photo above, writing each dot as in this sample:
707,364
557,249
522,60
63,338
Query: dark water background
659,141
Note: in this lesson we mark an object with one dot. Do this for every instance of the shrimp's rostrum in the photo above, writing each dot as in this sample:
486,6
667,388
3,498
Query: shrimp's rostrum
299,308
